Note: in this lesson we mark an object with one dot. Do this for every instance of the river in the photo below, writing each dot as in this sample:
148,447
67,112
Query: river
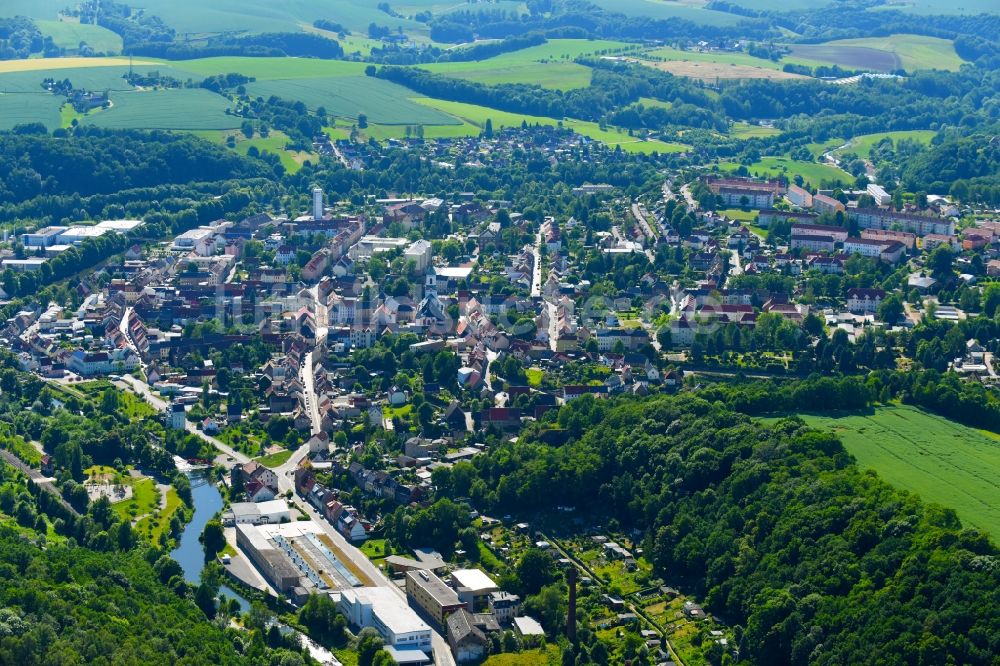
189,553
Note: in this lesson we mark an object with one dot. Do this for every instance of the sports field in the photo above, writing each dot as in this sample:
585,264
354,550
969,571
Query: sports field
383,102
943,461
179,109
69,35
909,52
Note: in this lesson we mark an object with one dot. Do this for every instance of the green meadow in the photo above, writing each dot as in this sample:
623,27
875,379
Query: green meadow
811,172
862,145
68,35
942,461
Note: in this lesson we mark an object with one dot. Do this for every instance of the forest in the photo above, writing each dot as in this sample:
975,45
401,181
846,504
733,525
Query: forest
814,560
93,161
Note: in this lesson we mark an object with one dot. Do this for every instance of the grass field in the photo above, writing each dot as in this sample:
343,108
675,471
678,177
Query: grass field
739,214
18,109
478,115
68,36
145,500
862,145
550,656
275,459
909,52
180,109
383,132
275,143
943,461
742,130
383,102
817,148
811,172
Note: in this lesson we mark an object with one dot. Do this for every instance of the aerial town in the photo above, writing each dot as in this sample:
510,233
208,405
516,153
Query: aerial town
351,359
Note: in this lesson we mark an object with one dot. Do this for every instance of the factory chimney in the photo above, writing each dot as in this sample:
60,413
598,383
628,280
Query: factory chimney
571,616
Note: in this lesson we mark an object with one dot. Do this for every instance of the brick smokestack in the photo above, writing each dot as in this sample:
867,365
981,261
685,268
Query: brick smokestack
571,616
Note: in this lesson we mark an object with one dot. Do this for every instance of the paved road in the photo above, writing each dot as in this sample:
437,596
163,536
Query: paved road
691,203
735,263
312,401
536,275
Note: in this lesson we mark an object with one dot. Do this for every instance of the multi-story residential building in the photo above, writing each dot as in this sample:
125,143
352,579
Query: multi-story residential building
798,196
838,234
878,193
907,239
864,301
921,225
825,204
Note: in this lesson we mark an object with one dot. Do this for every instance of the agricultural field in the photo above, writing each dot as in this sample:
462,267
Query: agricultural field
180,109
943,6
195,17
811,172
68,35
942,461
478,115
909,52
710,71
383,102
549,65
18,109
99,78
35,64
689,10
709,66
862,145
267,69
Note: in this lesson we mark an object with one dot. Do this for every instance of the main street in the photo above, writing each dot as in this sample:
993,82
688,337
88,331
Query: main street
536,273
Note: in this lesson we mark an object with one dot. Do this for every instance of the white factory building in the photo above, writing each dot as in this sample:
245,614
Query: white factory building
389,614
